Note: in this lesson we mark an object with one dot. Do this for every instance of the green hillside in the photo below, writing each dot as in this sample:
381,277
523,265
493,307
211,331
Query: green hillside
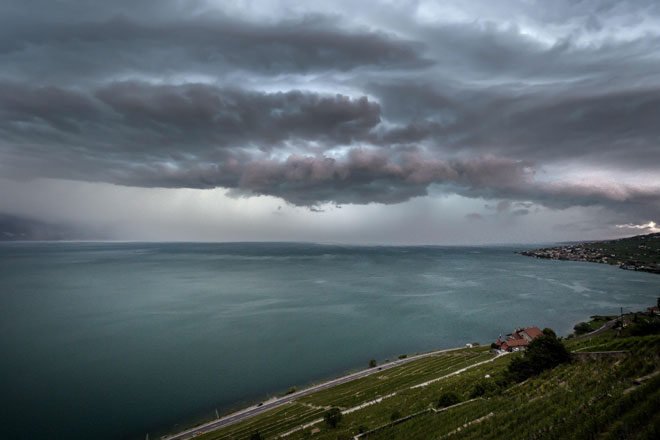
641,252
609,389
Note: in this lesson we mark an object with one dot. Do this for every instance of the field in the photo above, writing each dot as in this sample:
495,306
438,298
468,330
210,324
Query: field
352,394
595,395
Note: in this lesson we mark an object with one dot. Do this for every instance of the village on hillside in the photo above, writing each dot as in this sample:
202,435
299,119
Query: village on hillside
640,253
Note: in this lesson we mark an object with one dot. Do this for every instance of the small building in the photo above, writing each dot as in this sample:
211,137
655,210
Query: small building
513,345
519,339
528,333
653,310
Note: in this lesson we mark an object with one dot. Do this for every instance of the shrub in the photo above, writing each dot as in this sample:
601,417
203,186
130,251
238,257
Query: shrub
255,436
448,398
487,387
403,356
291,390
645,328
332,417
372,363
396,415
582,328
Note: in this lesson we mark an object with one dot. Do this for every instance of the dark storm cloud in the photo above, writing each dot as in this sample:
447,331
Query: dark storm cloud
162,120
101,49
61,109
619,128
185,94
486,51
361,177
606,128
238,117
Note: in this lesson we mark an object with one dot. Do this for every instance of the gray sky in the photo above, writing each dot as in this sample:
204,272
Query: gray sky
355,122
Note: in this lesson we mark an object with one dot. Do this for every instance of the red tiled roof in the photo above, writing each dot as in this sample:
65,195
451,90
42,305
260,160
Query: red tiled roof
515,343
533,332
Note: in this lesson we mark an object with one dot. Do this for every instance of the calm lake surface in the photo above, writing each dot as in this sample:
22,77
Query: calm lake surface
114,340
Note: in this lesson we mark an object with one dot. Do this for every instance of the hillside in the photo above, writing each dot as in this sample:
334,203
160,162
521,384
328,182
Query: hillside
15,228
610,389
641,252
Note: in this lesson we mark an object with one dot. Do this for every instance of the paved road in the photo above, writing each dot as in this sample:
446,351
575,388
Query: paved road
252,411
608,325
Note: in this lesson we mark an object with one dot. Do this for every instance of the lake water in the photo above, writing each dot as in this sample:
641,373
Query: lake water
114,340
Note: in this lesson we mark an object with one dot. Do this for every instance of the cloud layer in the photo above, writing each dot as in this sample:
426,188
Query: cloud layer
554,105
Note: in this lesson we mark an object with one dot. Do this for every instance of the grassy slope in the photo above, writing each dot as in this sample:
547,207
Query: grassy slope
584,399
313,406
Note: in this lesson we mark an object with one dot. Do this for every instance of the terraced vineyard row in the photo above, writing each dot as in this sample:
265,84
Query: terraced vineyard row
597,396
389,381
405,402
276,421
308,408
571,401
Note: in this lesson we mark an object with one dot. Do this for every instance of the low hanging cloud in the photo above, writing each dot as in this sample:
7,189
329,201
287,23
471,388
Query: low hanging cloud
201,136
315,105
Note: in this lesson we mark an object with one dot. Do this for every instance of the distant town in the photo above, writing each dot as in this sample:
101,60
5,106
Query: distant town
641,252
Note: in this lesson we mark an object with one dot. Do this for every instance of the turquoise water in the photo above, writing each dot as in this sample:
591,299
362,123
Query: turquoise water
116,340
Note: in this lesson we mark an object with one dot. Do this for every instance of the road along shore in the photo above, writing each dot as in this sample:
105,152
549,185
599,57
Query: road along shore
275,402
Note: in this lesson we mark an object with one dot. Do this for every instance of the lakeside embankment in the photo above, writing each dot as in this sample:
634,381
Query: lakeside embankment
275,402
606,382
352,393
640,253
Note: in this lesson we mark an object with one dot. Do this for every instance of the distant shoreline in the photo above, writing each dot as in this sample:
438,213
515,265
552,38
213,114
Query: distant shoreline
640,253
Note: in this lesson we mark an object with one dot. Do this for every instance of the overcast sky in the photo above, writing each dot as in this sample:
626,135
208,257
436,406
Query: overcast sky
396,122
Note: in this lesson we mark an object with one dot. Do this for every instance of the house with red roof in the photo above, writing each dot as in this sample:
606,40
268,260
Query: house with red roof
513,345
528,333
519,339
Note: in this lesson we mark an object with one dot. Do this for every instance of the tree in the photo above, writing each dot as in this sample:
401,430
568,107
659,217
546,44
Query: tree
448,398
544,352
255,436
372,363
396,415
582,328
332,417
